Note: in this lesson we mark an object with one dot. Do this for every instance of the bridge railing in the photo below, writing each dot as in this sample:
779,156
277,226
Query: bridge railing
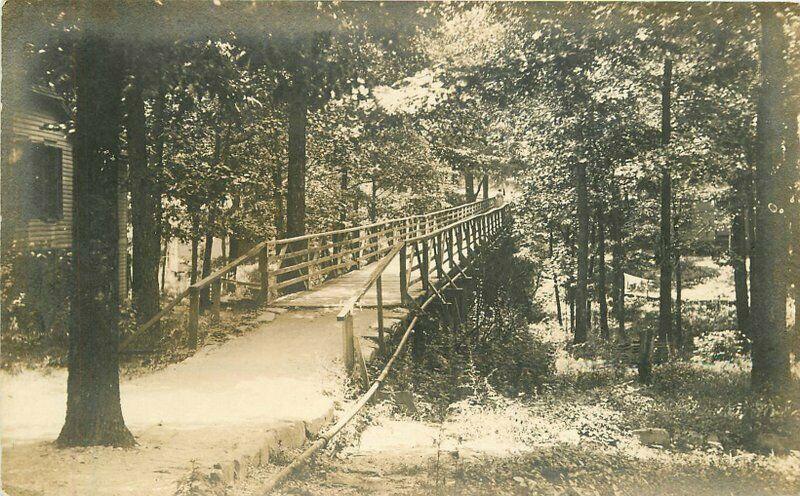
439,251
303,262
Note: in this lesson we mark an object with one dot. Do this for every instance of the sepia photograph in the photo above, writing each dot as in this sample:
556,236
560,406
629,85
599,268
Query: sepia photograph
413,248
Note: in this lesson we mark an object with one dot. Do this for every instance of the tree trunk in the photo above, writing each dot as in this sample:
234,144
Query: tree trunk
555,282
677,342
277,198
205,301
296,176
296,185
485,186
164,265
145,201
469,185
739,253
581,317
373,202
601,275
770,371
665,245
94,414
617,267
193,268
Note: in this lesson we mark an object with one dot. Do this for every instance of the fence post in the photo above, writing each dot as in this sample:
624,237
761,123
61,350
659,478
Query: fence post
404,298
263,271
348,351
216,289
426,265
439,257
194,315
379,298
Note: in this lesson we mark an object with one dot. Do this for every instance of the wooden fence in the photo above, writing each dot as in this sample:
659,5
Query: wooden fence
442,251
303,262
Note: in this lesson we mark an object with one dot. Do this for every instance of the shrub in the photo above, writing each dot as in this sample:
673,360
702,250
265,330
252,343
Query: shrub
719,346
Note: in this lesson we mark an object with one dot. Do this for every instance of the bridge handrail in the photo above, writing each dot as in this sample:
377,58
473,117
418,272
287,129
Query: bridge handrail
491,219
412,224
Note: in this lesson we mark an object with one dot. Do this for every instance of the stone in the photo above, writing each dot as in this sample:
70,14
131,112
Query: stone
652,436
265,318
405,401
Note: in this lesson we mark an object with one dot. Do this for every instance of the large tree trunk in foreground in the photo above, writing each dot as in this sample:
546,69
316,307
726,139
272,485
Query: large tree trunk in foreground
94,414
601,275
581,315
296,184
770,354
665,242
145,202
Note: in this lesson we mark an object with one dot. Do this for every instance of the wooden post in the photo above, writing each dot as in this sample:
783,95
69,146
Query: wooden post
404,297
450,248
468,235
348,351
216,290
379,298
426,264
194,316
263,272
460,243
439,257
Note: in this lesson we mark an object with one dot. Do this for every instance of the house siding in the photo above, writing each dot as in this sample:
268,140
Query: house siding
38,234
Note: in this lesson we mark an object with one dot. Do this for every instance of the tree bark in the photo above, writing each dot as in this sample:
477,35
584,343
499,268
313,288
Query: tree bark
296,175
617,266
485,186
677,342
469,186
770,372
193,267
665,245
296,183
94,413
145,202
205,301
555,282
581,315
739,253
601,275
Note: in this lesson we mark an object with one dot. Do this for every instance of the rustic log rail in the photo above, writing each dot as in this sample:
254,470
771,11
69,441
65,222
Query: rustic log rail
483,227
487,227
310,260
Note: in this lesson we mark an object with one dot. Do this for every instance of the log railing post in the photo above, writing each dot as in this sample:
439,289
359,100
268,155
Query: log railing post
194,315
379,298
425,267
439,258
404,297
263,272
216,290
449,235
348,351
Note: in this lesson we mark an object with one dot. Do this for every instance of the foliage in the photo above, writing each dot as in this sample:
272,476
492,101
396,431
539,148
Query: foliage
719,346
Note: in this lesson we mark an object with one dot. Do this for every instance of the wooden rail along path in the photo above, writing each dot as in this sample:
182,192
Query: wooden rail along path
310,260
459,240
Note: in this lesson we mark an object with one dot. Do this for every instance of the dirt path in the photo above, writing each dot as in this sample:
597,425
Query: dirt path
213,407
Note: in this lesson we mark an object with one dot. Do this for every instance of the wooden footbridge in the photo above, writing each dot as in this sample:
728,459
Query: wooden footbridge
403,259
229,407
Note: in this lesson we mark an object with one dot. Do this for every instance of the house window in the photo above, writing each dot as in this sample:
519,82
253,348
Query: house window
45,187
